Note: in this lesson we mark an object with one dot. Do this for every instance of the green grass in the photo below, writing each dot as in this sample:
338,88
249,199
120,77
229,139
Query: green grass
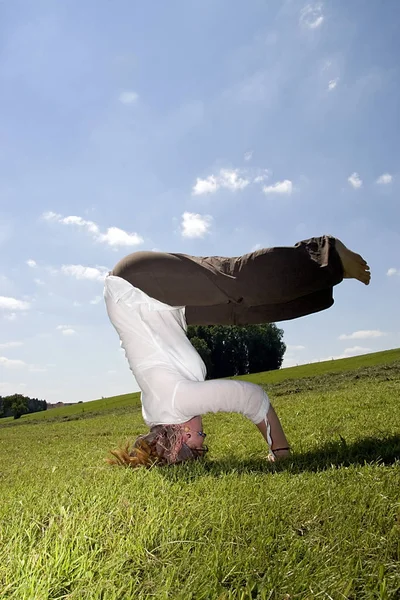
324,525
267,380
329,366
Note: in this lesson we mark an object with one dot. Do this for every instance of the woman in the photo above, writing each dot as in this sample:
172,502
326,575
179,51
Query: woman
151,297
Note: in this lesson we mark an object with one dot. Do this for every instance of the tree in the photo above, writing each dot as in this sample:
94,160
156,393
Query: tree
201,346
16,405
233,350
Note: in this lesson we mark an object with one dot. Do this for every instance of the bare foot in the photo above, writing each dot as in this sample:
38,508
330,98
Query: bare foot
278,455
354,266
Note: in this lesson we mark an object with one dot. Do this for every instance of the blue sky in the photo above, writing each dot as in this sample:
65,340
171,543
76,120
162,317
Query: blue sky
208,127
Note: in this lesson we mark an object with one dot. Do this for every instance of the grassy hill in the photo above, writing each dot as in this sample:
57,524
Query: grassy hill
325,524
268,380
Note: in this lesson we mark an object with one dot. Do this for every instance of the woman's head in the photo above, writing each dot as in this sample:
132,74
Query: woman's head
164,444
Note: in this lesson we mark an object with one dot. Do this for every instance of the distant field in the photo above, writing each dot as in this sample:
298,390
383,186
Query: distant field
266,379
324,525
330,366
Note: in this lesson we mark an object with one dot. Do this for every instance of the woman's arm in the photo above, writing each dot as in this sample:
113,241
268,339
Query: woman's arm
194,398
279,444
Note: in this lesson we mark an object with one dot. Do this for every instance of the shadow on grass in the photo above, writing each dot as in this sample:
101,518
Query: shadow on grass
370,450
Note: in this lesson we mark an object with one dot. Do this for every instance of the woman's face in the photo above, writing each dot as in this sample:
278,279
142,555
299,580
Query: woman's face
195,439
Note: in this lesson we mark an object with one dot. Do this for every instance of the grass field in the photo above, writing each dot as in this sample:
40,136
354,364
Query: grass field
324,525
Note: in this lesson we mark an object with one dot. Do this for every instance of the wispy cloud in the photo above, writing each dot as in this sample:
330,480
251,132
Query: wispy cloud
38,281
96,300
280,187
66,330
31,263
392,271
248,155
114,236
9,363
364,334
333,83
11,344
13,304
294,348
385,179
229,179
354,351
311,16
354,180
195,225
262,176
128,97
82,272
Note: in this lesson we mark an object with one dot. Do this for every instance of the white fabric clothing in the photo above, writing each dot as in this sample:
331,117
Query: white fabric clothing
169,371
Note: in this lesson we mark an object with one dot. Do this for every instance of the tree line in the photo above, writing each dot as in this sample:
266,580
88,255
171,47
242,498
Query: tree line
230,350
227,350
17,405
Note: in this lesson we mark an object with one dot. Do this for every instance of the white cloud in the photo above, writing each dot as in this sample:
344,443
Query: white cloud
68,332
263,176
38,281
75,220
128,97
8,363
81,272
230,179
280,187
355,350
11,344
227,178
31,263
11,363
194,225
118,237
392,271
354,180
114,236
248,155
385,179
311,16
13,304
364,334
205,186
75,303
333,83
51,216
255,247
66,329
96,300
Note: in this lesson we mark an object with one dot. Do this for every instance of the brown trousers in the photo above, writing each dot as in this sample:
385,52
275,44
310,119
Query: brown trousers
272,284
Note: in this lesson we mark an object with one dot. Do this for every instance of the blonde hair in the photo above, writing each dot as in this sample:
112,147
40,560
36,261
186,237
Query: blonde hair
163,445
